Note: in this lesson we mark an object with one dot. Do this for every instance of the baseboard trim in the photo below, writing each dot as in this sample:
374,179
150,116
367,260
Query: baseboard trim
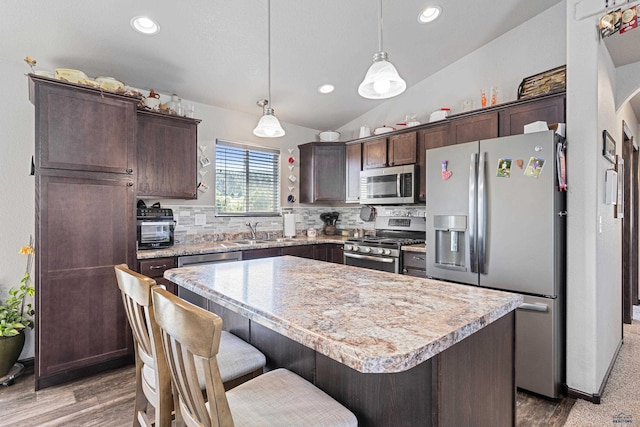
595,398
83,372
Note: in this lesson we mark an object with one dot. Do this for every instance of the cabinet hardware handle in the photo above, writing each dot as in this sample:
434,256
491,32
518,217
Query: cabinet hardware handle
129,171
418,258
157,267
129,184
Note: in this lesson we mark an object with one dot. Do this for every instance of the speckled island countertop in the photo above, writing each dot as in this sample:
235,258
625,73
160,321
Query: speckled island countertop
369,320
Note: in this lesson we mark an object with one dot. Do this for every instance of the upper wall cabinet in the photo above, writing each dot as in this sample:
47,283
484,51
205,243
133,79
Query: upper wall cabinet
514,117
167,156
83,129
431,137
402,149
322,172
396,150
473,128
353,167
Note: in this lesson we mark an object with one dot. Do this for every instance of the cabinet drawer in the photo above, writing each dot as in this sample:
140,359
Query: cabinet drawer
414,260
156,267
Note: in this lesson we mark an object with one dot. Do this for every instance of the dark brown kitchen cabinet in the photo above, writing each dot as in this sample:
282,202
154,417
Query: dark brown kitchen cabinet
353,154
85,183
550,110
374,153
473,128
167,156
431,137
402,149
322,172
155,269
80,129
330,252
414,264
81,326
336,253
261,253
305,251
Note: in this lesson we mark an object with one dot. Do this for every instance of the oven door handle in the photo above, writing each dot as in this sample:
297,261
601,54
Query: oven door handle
371,258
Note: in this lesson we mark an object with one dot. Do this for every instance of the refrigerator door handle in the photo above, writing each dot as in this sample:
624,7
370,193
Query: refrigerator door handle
534,307
473,164
398,185
482,216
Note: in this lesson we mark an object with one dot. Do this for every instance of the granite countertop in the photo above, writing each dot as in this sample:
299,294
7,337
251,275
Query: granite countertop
371,321
182,249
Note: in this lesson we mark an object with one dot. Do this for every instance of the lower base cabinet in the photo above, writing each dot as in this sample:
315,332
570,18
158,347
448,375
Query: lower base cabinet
155,269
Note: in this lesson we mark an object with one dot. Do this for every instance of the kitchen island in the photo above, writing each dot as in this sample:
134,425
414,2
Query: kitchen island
394,349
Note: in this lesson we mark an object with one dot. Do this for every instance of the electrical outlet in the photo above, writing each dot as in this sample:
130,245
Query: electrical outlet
200,219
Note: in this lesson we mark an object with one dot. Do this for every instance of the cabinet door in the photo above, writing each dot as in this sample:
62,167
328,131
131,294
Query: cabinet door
322,172
305,251
474,128
321,252
432,137
354,166
79,129
85,226
167,156
550,110
337,254
374,153
261,253
402,149
155,269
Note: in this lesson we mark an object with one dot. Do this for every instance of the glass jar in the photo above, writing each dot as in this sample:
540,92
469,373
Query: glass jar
174,105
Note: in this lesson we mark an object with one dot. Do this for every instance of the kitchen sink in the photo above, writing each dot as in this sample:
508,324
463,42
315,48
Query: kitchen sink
248,242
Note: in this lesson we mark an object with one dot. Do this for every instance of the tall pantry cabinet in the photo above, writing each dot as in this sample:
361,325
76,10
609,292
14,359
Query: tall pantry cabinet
85,160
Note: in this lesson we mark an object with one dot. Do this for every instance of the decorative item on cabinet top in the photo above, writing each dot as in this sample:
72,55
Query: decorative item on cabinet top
291,198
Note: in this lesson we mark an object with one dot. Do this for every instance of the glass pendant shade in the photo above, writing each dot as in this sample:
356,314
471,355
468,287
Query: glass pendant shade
268,126
382,79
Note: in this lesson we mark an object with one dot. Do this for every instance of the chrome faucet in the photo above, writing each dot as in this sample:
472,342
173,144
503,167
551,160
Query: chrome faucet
253,229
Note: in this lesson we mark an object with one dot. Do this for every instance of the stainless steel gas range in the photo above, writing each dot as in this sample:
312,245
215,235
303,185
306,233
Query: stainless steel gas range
383,251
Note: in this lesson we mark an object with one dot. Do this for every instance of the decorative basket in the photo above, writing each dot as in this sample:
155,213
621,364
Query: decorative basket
551,81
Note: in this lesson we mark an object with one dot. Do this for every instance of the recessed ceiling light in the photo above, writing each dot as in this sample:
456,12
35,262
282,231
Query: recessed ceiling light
429,14
326,88
145,25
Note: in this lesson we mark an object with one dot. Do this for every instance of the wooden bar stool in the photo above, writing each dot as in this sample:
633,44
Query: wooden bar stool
153,381
191,339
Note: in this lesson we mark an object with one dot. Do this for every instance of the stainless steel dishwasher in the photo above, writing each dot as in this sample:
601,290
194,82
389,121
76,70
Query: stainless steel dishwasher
203,259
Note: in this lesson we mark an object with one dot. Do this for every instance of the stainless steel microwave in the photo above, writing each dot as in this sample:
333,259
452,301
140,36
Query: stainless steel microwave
394,185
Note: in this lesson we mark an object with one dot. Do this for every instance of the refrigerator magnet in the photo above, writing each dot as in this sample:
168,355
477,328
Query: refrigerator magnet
445,173
534,167
520,163
504,168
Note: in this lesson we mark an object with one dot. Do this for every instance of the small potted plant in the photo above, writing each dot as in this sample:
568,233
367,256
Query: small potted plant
15,316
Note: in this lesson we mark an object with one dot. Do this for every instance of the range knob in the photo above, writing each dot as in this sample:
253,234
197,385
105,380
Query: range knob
379,251
356,248
348,247
366,250
387,252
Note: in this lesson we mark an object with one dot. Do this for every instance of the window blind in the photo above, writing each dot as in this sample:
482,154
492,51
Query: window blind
247,180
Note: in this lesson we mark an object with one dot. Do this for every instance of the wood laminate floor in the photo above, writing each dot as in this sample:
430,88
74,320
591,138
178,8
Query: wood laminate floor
107,400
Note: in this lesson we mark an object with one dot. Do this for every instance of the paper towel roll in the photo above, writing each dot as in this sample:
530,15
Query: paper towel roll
289,225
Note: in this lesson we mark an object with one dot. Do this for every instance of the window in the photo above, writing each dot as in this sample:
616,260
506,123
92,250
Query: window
247,180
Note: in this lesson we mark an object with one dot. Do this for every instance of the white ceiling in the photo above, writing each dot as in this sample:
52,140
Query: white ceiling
215,51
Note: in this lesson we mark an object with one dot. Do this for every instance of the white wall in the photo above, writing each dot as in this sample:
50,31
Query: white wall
17,146
17,187
533,47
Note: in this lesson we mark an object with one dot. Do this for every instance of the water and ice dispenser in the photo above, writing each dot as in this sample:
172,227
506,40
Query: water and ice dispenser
450,241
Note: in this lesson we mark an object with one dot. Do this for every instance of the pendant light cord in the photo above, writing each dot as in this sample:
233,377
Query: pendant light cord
269,48
379,25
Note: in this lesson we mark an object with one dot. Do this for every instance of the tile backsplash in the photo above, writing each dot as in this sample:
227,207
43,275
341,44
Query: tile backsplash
200,224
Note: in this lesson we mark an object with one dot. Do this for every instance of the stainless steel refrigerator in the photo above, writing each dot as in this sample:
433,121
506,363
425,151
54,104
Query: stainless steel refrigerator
496,219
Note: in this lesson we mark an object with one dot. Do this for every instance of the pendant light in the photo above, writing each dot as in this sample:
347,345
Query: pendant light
268,126
382,79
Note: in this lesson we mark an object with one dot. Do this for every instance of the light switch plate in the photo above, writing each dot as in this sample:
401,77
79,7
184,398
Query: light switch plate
200,219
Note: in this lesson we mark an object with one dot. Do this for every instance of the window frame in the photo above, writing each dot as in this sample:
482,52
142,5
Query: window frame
277,175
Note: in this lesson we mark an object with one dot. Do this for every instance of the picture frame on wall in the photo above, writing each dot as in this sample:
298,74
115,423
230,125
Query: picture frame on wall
608,147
